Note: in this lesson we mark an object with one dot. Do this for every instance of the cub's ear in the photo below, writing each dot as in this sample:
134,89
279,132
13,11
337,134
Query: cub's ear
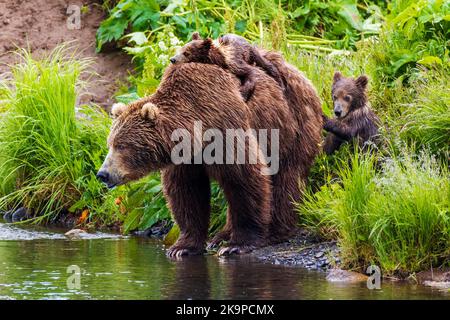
362,81
337,76
208,43
117,109
196,36
149,111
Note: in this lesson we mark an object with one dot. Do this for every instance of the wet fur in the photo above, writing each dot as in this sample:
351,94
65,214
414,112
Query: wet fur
260,208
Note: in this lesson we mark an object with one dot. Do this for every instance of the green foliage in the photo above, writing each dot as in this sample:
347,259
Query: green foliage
426,120
416,32
398,218
48,152
146,205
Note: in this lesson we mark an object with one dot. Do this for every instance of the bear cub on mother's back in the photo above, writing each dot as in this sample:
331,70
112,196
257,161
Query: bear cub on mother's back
233,53
353,117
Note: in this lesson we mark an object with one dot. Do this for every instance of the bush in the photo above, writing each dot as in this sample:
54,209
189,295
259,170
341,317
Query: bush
49,153
398,218
426,120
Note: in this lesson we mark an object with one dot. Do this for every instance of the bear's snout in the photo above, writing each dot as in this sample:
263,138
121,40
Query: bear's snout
103,176
173,60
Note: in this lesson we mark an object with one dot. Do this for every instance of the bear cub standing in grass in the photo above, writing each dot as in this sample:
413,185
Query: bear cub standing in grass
232,53
354,118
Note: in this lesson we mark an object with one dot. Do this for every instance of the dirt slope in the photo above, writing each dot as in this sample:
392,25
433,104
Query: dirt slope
42,24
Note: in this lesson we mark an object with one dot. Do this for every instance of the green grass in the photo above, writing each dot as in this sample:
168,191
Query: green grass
426,120
397,217
48,153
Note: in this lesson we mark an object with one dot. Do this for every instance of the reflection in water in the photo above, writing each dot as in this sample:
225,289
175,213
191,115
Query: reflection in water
135,268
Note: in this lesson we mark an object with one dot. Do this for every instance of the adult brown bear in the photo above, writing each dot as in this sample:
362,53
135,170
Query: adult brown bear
259,205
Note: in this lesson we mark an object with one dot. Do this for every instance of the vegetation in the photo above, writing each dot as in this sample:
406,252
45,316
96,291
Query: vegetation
396,217
390,207
49,152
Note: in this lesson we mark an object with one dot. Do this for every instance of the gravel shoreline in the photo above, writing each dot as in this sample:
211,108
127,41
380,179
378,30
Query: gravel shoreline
304,250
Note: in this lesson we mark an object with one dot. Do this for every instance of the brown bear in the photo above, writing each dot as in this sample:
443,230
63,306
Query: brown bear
260,206
231,52
306,115
354,118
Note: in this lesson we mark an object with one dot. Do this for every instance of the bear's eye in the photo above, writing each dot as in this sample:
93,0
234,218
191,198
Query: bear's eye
347,98
120,147
186,54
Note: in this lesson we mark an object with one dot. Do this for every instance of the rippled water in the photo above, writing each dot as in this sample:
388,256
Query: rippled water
34,265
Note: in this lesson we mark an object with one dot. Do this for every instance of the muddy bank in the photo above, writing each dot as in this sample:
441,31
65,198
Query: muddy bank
41,25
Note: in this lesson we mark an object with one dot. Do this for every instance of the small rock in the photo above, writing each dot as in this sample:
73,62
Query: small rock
319,254
277,262
20,215
7,216
338,275
438,284
75,234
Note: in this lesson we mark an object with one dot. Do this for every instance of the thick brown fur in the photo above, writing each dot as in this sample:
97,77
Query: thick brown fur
305,119
260,207
354,119
231,52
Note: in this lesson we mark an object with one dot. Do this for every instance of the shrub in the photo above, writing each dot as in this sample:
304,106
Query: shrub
49,153
426,120
398,218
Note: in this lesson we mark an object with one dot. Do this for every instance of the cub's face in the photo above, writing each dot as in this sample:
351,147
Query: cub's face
348,94
134,145
197,50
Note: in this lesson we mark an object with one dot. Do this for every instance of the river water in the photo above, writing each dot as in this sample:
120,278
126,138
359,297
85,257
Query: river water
35,264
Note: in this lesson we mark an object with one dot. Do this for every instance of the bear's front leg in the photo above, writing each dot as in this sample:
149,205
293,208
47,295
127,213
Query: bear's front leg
187,190
248,193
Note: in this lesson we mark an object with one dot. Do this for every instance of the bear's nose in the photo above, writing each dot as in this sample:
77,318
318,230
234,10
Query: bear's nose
173,60
103,176
338,113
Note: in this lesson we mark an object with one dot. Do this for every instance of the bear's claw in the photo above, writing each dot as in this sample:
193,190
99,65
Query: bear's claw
178,252
217,240
230,250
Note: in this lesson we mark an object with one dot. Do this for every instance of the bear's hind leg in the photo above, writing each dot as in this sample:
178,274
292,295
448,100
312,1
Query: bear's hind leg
187,190
285,191
248,193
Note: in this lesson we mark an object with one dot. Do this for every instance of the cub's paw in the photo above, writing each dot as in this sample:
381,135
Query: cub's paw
177,251
235,249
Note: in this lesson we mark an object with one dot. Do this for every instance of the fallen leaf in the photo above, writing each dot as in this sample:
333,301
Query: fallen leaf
84,216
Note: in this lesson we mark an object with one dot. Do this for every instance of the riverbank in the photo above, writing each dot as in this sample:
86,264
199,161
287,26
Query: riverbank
40,26
124,262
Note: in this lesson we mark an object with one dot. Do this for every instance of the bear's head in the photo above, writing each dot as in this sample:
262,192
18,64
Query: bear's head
348,94
135,144
197,50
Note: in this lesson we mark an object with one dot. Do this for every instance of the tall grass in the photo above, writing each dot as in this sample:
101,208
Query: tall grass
426,120
398,218
48,153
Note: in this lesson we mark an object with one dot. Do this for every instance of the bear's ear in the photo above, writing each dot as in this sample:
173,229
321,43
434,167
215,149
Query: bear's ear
337,76
149,111
362,81
117,109
196,36
207,43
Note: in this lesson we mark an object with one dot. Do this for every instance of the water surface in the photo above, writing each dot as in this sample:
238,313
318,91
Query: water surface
34,265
